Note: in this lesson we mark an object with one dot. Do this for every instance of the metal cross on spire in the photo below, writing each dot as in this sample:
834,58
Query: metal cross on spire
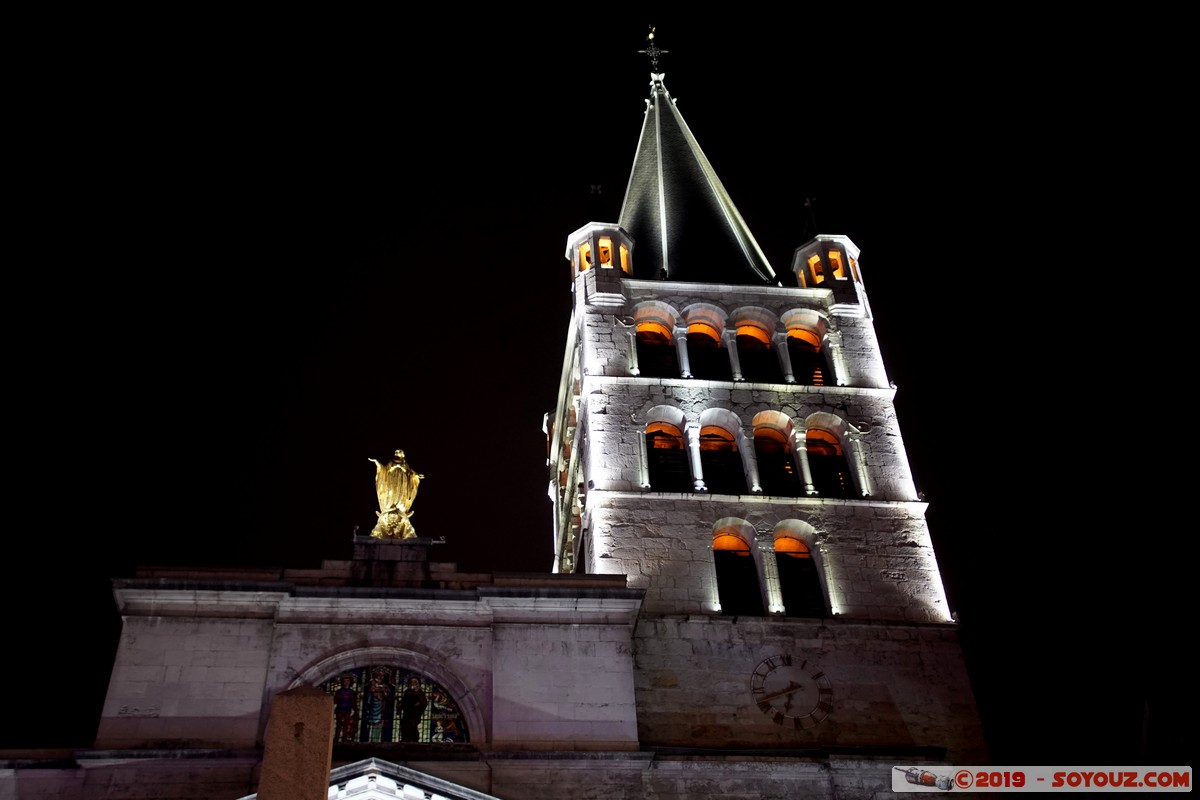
652,50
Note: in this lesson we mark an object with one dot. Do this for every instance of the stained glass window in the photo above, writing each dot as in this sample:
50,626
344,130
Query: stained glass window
381,703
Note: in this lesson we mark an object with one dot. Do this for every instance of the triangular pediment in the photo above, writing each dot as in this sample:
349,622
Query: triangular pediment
376,779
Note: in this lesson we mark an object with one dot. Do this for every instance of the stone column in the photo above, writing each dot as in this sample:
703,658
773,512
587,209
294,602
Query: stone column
860,463
765,543
685,366
835,360
643,458
691,435
631,341
785,358
298,748
800,454
749,460
735,363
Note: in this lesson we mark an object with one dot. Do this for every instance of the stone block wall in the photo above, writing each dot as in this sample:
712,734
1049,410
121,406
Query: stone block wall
660,776
614,413
197,680
606,344
564,687
877,558
528,666
895,687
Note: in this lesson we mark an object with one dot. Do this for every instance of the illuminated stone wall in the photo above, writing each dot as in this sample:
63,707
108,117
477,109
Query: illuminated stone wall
200,667
194,677
893,687
877,558
888,647
617,410
606,344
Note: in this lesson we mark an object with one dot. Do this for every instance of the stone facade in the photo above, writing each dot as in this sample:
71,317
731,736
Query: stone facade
894,686
569,685
627,673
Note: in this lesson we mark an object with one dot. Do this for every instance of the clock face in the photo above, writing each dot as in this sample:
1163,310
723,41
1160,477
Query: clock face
792,691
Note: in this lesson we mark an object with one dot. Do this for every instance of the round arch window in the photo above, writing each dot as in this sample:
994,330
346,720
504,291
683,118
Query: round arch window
383,703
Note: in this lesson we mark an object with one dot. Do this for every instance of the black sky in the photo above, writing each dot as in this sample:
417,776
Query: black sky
293,244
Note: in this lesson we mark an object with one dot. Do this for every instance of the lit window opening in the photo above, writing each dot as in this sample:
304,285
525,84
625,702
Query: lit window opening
836,265
703,334
826,460
737,576
776,466
799,583
605,248
816,270
808,362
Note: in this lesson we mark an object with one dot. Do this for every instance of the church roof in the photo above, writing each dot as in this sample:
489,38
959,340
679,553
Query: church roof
683,222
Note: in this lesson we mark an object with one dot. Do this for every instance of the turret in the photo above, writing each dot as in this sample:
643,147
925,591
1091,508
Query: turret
600,245
831,262
600,254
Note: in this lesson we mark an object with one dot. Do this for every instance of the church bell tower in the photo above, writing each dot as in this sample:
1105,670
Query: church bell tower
729,441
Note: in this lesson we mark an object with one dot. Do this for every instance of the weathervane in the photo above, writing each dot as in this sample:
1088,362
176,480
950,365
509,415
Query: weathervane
652,50
809,203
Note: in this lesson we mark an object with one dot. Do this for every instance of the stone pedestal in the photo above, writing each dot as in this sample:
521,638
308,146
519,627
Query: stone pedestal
383,562
298,751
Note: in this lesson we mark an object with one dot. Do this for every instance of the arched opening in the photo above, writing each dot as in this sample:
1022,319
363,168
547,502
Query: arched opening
656,353
707,357
827,463
776,465
384,704
604,244
799,584
666,458
816,271
836,265
808,360
737,576
721,461
757,358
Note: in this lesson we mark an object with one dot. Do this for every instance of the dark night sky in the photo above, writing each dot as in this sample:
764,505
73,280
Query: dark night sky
298,243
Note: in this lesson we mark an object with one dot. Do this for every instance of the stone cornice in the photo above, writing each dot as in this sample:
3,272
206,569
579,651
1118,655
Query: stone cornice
363,606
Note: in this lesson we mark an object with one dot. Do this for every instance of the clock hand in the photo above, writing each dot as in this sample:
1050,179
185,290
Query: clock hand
791,688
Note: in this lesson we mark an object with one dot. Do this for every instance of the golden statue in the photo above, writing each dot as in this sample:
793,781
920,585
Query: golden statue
396,487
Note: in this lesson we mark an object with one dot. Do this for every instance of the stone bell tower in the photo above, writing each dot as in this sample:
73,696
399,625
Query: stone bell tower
730,443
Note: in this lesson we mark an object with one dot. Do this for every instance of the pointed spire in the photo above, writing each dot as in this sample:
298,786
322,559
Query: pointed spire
684,224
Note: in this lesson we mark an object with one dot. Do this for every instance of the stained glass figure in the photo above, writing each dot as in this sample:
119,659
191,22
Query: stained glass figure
383,703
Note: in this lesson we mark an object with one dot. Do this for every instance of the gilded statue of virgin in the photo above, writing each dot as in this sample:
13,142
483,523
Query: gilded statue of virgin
396,485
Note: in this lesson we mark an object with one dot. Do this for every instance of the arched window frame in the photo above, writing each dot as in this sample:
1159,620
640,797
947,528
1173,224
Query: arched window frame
728,422
804,324
846,437
400,658
666,415
806,536
763,362
665,320
738,599
711,322
778,427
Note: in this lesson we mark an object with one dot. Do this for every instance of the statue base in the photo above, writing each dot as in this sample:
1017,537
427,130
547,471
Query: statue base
384,562
393,524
